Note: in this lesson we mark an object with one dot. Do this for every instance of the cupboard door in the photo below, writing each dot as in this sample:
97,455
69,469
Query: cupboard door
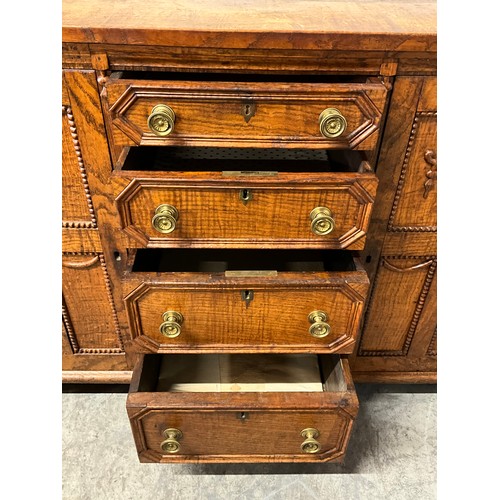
77,209
399,336
399,333
89,308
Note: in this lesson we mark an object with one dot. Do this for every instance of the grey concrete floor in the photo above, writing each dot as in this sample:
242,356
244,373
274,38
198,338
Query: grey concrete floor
392,455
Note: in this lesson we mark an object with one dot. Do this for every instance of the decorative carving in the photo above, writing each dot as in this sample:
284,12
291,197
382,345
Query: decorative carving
431,263
76,144
107,282
386,264
399,189
69,329
430,158
95,257
432,349
81,265
66,224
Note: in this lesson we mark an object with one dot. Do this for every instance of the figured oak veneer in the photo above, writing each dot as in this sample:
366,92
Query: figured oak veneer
242,427
213,113
211,210
217,319
282,61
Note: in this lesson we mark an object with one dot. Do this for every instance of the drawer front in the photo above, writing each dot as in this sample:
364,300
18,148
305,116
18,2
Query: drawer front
272,314
242,427
273,435
246,114
252,214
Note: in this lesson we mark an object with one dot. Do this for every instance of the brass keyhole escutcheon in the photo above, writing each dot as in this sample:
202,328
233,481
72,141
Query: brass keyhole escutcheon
322,221
161,120
310,445
171,444
332,123
165,218
319,327
171,326
245,195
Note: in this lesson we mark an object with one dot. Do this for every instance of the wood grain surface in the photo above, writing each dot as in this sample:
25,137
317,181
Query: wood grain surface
269,432
211,210
211,113
271,24
217,319
400,326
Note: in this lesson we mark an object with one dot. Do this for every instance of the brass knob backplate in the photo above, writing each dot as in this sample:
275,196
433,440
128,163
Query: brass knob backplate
161,120
332,123
171,326
310,445
165,218
171,444
322,221
319,327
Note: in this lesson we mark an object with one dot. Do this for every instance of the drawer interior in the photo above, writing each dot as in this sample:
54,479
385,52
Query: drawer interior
220,261
245,160
234,373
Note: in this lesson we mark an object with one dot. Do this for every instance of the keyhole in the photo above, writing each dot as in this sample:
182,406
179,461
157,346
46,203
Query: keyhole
247,109
245,195
247,296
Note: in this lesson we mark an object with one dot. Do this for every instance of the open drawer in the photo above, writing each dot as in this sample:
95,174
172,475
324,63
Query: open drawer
155,108
196,300
241,408
238,197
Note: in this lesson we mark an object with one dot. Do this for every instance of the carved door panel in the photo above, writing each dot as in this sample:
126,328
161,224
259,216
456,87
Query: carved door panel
399,333
91,334
77,209
399,336
89,315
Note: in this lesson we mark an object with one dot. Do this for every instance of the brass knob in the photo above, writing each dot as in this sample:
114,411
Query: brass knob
171,326
171,445
319,327
322,221
332,123
310,445
165,218
161,120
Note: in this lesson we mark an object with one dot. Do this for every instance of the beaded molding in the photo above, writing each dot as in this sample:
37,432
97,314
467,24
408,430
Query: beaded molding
67,321
399,189
432,264
76,144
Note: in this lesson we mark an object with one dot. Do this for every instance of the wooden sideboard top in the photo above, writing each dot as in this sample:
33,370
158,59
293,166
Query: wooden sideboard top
362,25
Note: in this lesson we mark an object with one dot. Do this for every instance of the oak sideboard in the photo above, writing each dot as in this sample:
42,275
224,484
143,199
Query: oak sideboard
249,216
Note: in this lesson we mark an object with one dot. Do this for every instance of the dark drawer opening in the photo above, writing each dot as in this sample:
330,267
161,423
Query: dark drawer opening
242,373
219,261
252,161
169,76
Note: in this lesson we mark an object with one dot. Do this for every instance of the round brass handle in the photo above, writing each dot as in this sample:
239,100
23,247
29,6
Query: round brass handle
319,327
310,445
161,120
165,218
171,445
322,221
171,326
332,123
